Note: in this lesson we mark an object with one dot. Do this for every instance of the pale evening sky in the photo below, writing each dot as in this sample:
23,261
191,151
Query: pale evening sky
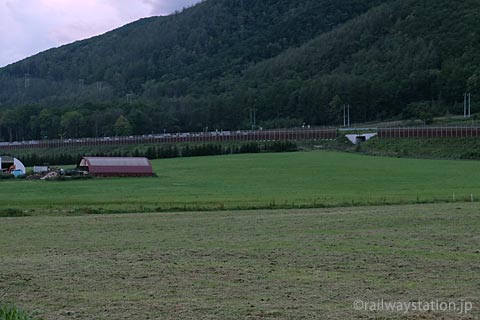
31,26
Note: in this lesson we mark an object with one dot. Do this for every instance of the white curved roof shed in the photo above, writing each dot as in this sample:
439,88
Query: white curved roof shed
8,164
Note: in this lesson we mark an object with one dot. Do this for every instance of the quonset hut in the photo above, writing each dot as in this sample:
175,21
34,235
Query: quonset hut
116,167
10,165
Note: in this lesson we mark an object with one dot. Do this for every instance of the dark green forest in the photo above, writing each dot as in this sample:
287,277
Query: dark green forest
209,66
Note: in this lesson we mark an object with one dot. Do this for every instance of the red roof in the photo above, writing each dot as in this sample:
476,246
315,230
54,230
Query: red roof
113,166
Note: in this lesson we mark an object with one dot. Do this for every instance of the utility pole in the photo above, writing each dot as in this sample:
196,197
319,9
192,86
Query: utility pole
81,82
469,105
27,80
253,118
129,98
346,115
348,111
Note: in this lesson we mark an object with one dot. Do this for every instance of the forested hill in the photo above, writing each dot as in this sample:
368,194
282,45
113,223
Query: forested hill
291,61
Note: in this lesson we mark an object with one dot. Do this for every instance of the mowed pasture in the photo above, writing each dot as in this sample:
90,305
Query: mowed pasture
253,181
270,264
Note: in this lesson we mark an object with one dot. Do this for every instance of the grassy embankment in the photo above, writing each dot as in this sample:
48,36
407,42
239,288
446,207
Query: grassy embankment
433,148
282,264
253,181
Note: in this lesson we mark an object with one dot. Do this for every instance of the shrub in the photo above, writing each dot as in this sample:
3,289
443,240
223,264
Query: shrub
252,147
281,146
11,212
12,313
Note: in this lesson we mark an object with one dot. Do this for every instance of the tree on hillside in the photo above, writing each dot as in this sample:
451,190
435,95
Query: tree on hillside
70,123
9,120
122,126
335,107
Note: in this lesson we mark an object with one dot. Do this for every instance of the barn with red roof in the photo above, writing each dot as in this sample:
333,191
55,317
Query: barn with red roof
117,166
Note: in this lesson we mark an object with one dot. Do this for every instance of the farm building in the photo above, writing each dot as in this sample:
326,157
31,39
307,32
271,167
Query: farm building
116,167
10,165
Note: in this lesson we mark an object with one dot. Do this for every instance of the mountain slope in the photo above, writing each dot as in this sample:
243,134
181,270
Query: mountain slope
400,53
212,39
292,61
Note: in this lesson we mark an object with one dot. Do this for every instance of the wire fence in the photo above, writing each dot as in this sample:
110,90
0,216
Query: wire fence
248,135
202,137
429,132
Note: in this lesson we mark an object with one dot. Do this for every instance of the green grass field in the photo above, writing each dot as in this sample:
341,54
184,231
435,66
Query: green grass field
63,263
280,264
287,180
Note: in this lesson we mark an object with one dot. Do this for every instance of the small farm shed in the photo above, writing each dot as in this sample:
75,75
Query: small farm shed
116,167
9,165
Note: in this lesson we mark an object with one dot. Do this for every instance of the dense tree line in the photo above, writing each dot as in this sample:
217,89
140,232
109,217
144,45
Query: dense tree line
163,152
89,120
293,62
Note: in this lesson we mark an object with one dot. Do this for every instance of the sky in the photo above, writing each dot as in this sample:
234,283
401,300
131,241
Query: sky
31,26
